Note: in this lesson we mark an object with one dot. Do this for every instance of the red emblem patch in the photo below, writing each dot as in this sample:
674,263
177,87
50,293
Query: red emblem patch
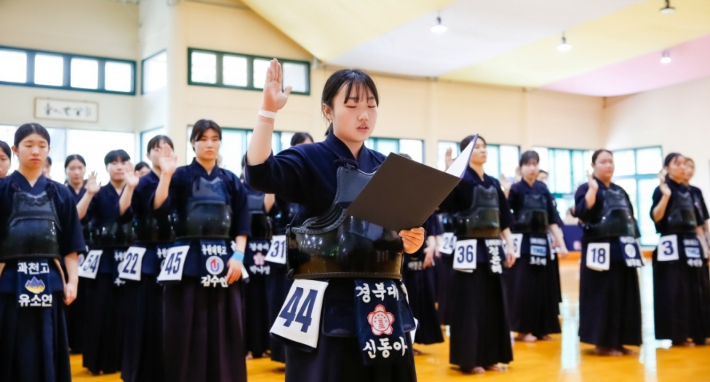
380,320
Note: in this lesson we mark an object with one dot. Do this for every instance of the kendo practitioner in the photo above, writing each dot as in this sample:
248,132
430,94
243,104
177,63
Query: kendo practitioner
5,159
420,279
281,214
609,297
480,333
39,227
153,230
346,316
258,269
111,235
534,303
75,169
203,334
679,302
702,210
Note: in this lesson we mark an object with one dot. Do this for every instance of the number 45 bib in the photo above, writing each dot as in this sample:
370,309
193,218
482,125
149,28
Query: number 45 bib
299,319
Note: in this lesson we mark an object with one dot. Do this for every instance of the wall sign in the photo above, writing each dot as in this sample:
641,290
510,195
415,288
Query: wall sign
46,108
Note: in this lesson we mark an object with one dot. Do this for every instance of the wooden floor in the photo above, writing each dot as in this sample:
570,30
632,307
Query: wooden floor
563,359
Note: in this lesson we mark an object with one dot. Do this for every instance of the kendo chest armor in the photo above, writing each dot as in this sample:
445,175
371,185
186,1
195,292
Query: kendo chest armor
284,217
482,219
616,217
260,224
206,215
154,229
336,245
532,217
32,228
681,214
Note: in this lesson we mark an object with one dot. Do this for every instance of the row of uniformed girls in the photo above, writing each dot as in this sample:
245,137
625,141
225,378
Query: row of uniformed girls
680,274
39,229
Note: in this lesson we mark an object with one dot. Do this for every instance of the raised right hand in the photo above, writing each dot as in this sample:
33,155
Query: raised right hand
665,190
593,184
167,160
274,97
91,186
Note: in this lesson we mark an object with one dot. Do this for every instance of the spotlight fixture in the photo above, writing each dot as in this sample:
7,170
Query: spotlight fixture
666,58
439,27
667,9
564,46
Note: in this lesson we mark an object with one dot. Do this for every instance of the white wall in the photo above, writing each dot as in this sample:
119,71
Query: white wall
676,117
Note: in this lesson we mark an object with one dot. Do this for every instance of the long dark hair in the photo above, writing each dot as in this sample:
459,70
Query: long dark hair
158,140
348,77
299,138
670,158
6,149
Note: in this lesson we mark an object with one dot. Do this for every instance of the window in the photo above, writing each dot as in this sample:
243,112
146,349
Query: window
412,147
49,69
240,71
502,159
88,143
636,172
13,66
28,67
567,170
234,146
155,72
146,136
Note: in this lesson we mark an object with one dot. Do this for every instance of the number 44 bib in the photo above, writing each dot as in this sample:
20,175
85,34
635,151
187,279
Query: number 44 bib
299,319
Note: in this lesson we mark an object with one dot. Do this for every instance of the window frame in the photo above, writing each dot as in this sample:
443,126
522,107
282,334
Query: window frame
375,142
497,145
219,81
67,57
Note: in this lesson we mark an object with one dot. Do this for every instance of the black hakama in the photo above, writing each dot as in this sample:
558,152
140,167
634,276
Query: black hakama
680,304
277,286
609,306
534,305
33,341
480,336
255,298
421,286
340,358
444,277
76,321
143,346
203,333
105,318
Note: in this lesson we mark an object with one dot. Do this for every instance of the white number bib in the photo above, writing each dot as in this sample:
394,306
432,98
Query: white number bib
90,266
130,267
277,250
517,242
598,256
668,248
465,255
448,243
299,319
174,263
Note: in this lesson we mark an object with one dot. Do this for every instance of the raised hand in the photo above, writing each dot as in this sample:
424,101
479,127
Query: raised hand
449,157
412,239
274,97
504,182
92,187
131,179
665,190
167,160
593,184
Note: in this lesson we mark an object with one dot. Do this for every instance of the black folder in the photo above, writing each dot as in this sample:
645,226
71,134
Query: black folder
403,193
